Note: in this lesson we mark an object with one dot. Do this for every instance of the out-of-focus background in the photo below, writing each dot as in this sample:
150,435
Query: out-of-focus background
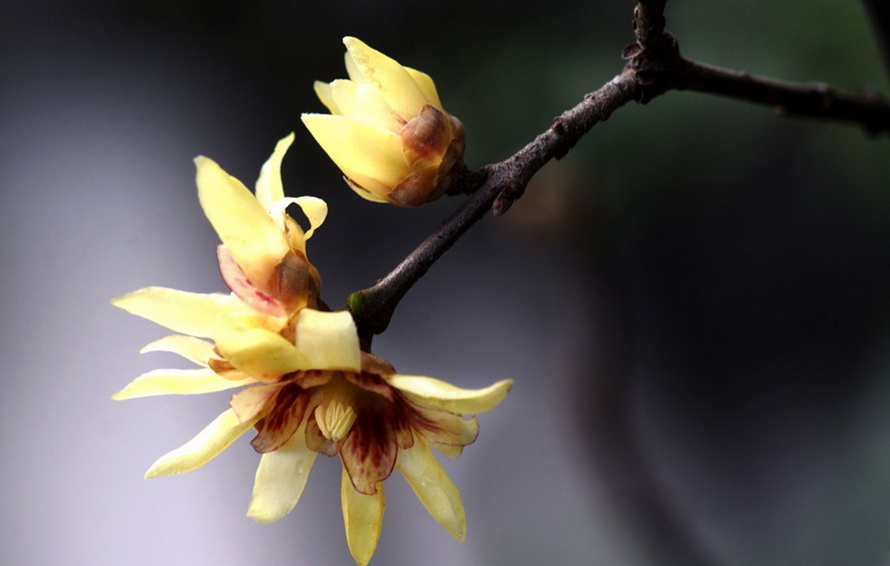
694,303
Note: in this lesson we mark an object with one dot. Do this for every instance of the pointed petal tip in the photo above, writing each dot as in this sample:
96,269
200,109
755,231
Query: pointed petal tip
260,517
312,118
155,472
444,395
433,488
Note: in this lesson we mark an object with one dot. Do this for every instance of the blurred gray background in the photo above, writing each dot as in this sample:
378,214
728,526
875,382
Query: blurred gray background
693,303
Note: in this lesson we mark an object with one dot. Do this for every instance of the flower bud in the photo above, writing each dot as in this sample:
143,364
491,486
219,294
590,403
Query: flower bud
387,130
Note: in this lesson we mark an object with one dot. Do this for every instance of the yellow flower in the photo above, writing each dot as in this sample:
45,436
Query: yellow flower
387,130
329,398
310,389
263,261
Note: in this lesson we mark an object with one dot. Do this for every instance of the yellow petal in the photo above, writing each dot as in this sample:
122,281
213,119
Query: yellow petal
188,313
315,209
259,353
281,478
446,428
178,382
369,156
189,347
352,70
323,92
269,189
448,451
363,102
433,487
394,83
252,402
328,340
362,518
242,223
216,437
448,397
367,194
427,85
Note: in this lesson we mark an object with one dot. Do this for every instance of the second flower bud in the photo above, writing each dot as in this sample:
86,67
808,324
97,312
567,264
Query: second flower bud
387,130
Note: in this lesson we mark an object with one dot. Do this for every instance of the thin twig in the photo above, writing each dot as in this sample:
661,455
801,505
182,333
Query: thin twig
817,100
504,182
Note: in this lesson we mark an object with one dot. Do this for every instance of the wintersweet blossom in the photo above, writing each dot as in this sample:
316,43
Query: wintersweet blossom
387,130
307,388
329,398
262,260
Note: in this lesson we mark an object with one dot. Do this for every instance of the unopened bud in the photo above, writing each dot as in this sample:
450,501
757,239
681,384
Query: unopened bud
387,130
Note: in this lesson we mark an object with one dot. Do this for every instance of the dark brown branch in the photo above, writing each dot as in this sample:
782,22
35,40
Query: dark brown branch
660,68
503,183
814,100
654,67
648,26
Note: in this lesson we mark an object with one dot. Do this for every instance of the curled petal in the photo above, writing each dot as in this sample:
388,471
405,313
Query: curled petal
371,157
362,518
177,382
260,353
315,209
189,347
448,397
280,479
394,83
433,487
216,437
242,223
328,340
269,189
188,313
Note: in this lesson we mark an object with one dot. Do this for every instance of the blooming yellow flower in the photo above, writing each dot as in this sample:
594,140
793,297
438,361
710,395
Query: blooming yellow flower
328,398
387,130
310,389
263,261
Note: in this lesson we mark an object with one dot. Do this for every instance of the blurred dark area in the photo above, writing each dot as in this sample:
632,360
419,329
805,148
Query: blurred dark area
706,284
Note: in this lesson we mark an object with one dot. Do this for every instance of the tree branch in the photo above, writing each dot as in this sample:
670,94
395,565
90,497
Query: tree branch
818,100
654,67
501,184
